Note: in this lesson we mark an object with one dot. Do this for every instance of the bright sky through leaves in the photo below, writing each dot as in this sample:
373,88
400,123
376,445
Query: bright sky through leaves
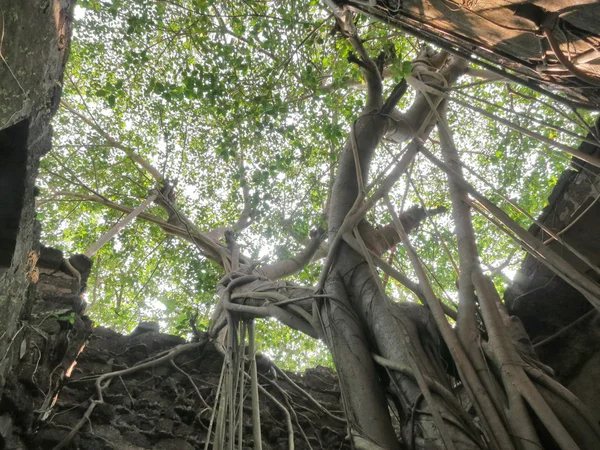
195,87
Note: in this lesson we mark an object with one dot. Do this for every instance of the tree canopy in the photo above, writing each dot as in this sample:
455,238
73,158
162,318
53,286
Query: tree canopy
243,108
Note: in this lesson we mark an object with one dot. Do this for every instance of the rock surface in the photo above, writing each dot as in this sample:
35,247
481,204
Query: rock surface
159,408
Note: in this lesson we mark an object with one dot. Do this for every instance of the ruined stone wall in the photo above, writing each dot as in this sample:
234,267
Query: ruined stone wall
44,347
59,356
159,408
34,47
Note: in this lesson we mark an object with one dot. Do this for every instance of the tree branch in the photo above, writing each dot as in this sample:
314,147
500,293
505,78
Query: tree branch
153,171
419,118
399,276
93,249
589,288
482,401
245,217
380,240
211,249
345,20
287,267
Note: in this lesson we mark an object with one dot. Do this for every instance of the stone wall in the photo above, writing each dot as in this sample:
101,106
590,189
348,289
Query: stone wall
44,349
159,408
35,43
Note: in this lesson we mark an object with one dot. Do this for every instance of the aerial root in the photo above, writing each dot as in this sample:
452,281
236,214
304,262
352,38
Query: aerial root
187,375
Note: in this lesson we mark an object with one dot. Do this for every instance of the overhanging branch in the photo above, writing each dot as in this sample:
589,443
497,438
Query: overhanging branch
287,267
153,171
379,240
210,248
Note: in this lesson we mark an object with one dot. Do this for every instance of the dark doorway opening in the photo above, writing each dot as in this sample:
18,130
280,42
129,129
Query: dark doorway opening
13,168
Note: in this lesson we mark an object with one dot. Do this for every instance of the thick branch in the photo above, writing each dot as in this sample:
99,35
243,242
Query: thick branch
287,267
418,120
252,296
398,276
93,249
380,240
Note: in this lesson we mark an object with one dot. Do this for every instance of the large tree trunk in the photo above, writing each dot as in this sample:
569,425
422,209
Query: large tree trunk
500,374
360,320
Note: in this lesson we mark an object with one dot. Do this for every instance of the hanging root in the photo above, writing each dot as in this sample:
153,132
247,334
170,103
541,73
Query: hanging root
510,377
187,375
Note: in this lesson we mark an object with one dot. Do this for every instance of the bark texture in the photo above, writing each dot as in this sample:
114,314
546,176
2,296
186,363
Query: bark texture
509,35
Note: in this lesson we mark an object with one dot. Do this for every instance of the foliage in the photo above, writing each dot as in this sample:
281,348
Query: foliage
196,87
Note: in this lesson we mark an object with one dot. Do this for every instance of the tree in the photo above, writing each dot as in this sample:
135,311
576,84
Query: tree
231,119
